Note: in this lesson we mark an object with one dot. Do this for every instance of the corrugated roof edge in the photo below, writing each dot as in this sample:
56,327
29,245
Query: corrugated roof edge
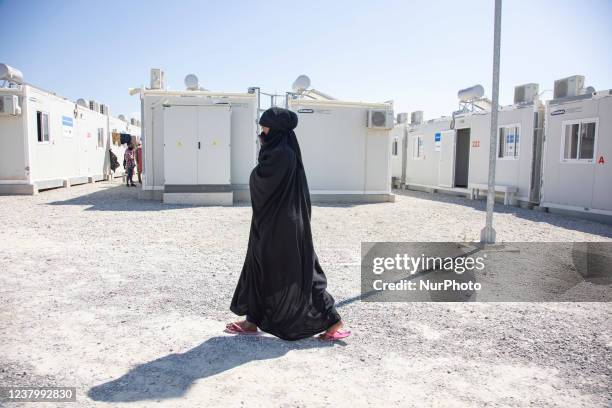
341,103
162,92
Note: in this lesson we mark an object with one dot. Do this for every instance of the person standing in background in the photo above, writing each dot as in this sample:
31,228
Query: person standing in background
129,163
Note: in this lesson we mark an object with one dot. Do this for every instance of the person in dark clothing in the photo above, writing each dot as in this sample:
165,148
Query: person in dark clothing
282,287
129,162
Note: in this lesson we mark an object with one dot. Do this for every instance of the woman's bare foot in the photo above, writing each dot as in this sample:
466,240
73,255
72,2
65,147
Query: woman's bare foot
335,327
244,325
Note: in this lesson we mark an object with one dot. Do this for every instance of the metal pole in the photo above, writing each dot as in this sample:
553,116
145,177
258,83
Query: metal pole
487,235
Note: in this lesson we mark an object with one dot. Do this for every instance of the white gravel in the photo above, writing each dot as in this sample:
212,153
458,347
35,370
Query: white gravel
126,300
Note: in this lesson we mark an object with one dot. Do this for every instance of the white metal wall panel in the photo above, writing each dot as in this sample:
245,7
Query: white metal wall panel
567,183
579,185
12,143
377,171
180,144
424,171
333,143
214,133
602,183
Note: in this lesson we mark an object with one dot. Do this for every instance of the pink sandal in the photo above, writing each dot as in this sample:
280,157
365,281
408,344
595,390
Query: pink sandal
337,335
234,328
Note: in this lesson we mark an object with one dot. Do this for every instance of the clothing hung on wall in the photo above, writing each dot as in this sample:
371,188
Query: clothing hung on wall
116,138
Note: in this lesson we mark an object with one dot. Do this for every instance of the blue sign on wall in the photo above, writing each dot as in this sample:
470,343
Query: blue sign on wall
437,137
66,121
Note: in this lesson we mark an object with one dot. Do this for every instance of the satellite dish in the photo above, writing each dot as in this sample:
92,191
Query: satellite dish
82,102
300,84
191,82
122,117
589,90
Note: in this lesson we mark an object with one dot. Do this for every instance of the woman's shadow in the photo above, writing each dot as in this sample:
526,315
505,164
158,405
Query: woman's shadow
170,376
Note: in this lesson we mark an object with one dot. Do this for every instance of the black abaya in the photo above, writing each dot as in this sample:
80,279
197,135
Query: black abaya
282,287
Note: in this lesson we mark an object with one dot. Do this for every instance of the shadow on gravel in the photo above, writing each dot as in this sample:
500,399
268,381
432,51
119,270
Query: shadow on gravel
172,375
558,220
113,197
118,197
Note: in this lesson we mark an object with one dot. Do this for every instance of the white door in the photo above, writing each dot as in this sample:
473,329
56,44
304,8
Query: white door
181,145
83,137
214,124
446,171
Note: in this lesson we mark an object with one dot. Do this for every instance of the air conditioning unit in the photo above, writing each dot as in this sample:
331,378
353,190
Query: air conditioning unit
9,105
157,79
570,86
402,117
94,106
416,117
380,119
526,93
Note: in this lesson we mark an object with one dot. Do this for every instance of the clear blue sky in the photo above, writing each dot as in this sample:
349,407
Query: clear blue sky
418,53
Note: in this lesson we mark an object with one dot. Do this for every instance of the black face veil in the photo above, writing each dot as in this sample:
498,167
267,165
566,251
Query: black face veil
282,287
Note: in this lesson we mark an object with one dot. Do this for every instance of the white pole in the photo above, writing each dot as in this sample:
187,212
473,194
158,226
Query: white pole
487,235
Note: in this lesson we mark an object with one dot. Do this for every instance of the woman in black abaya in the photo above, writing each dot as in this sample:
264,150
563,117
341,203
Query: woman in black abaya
282,287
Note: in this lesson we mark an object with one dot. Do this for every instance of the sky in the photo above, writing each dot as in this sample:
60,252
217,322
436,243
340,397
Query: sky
418,53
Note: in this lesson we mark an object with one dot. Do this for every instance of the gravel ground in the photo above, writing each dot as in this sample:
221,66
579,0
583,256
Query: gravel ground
127,299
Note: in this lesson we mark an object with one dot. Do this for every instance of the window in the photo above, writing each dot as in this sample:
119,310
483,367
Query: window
100,137
509,142
579,140
394,147
417,147
42,126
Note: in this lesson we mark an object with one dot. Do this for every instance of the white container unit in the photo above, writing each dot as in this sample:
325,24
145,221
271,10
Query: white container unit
92,141
577,169
199,147
48,141
518,153
346,149
423,153
453,155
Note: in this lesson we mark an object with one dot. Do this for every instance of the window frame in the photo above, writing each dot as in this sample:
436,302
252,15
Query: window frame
580,122
100,138
517,155
39,131
421,143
